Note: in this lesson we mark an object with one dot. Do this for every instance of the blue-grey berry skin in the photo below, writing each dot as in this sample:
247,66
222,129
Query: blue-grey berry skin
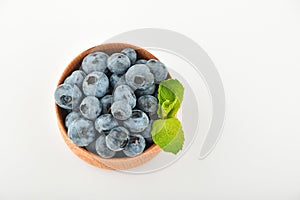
71,117
82,132
147,132
135,146
141,92
95,84
121,81
92,147
102,149
137,122
118,63
106,102
139,76
121,110
131,54
117,138
96,61
153,116
158,69
124,92
76,78
141,61
148,104
105,122
90,107
114,78
67,96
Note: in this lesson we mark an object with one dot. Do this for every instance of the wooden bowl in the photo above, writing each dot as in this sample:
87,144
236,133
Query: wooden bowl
93,159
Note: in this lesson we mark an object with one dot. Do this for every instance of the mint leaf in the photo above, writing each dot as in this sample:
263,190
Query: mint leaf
176,107
170,96
168,134
165,108
175,87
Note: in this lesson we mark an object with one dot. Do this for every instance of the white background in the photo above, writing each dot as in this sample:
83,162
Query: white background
255,46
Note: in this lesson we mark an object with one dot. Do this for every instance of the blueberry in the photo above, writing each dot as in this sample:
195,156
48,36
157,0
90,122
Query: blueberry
131,54
82,132
105,122
114,78
139,77
95,84
96,61
124,92
135,146
148,104
117,138
141,61
67,96
71,117
76,78
106,102
102,149
121,81
121,110
147,132
149,90
153,116
158,69
90,107
137,122
92,147
118,63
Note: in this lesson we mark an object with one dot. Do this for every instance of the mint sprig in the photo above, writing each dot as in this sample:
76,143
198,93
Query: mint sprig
167,131
170,96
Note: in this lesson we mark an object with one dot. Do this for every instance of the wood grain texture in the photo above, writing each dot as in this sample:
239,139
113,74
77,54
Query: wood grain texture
111,163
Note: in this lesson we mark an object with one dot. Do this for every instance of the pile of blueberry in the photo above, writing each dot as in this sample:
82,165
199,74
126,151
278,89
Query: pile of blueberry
112,102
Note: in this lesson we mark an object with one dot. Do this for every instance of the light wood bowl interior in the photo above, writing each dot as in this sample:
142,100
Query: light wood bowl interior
111,163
